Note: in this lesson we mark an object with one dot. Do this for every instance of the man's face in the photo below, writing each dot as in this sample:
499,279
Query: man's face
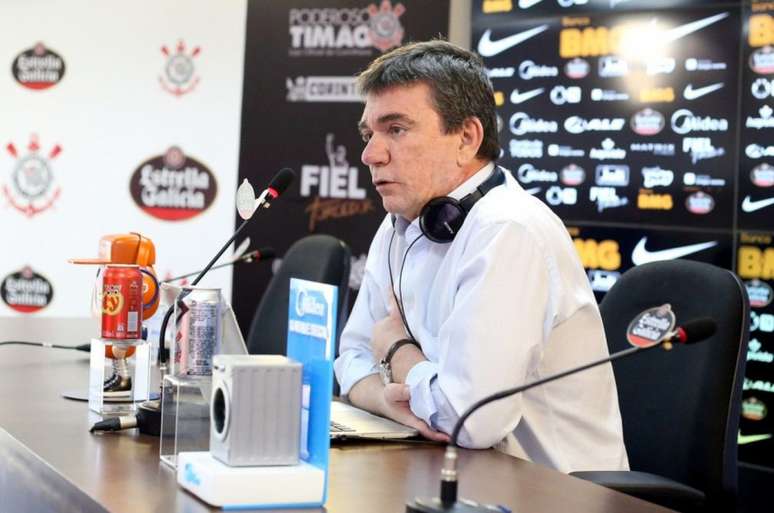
410,157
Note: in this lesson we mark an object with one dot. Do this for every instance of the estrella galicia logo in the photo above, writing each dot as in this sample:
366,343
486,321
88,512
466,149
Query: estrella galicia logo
179,76
38,68
173,186
26,291
32,189
310,302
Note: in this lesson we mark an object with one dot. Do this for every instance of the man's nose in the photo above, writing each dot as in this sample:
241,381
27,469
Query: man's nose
375,153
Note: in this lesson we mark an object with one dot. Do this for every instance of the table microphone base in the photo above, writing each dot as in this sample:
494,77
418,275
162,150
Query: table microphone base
433,505
149,417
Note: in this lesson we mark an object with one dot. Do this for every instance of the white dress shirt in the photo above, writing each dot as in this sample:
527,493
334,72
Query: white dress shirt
507,302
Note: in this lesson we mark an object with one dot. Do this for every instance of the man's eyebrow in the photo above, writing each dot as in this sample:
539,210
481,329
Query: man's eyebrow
387,118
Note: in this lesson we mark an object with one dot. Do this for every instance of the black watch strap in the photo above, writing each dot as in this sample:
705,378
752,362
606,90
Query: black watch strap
397,345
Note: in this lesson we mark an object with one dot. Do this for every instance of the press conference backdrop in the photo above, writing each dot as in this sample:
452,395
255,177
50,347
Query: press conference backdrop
114,117
647,127
301,110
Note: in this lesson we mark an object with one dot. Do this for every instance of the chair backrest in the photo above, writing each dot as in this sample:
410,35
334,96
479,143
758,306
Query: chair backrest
320,258
680,408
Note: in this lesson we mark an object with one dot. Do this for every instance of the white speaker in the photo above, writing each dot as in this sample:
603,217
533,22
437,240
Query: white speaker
255,410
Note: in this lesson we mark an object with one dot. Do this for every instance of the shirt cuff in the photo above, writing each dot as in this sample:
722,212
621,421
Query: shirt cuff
419,380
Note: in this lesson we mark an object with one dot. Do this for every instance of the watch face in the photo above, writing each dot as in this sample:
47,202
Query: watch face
385,372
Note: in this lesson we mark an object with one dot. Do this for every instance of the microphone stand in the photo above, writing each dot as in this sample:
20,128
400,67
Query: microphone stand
447,502
247,257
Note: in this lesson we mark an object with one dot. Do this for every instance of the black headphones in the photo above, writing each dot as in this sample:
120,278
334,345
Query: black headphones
441,218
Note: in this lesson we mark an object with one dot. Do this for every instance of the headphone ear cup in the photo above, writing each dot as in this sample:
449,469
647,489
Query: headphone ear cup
441,219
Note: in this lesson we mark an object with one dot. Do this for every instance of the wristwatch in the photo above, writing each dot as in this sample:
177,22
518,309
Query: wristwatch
385,369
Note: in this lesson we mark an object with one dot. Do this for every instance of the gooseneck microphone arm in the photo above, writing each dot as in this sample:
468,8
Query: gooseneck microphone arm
690,332
162,352
512,391
277,186
256,254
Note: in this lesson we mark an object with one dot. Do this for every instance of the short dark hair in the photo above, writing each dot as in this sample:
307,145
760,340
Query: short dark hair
457,79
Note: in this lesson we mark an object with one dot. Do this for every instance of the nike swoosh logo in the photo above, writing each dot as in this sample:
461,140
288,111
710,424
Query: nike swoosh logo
748,205
517,97
640,255
488,48
526,4
748,439
691,94
683,30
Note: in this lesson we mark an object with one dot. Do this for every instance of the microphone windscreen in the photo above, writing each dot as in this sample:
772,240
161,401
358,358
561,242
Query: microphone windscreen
266,253
282,180
698,330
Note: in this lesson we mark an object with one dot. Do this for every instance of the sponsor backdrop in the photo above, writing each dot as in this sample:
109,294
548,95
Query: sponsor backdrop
647,126
129,122
301,111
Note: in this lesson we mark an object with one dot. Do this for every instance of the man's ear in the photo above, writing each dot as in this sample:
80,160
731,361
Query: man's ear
471,136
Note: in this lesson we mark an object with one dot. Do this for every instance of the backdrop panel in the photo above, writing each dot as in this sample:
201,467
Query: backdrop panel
94,97
301,110
647,126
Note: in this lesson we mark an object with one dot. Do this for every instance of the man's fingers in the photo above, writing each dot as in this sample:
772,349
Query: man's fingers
426,431
397,392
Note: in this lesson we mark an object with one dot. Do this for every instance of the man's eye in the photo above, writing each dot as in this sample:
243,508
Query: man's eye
365,136
397,130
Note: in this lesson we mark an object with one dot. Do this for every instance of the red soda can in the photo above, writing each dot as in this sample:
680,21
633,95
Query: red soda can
121,302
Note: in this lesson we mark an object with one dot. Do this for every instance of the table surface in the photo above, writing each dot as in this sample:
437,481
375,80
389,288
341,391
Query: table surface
50,462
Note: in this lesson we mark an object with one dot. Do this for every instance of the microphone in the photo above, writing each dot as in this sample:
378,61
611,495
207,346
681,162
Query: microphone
277,186
149,412
266,253
689,333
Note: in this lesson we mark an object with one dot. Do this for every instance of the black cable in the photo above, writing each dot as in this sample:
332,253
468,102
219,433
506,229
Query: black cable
399,302
83,347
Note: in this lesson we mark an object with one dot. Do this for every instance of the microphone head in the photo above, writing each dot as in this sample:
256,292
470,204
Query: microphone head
697,330
281,181
266,253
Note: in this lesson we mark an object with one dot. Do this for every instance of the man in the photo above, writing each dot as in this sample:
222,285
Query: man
504,303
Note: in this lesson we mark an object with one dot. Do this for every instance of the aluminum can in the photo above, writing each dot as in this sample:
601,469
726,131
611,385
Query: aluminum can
121,302
197,331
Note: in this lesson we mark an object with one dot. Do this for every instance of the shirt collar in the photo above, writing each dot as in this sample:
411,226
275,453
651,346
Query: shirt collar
471,183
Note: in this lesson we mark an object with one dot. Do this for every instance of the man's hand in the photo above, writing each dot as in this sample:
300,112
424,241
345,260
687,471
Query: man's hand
387,331
391,401
396,406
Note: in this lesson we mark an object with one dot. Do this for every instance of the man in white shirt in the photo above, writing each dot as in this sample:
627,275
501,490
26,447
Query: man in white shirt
438,326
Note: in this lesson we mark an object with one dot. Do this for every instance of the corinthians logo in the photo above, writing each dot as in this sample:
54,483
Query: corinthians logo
38,68
179,76
173,186
26,291
385,28
32,183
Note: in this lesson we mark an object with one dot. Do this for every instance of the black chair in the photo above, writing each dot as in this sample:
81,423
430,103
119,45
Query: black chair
320,258
680,408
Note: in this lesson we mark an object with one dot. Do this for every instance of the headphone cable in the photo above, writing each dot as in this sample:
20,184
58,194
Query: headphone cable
399,297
